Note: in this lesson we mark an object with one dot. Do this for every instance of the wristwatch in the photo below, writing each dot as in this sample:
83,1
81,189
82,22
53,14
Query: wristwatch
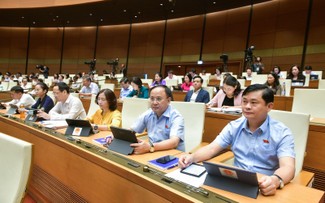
152,147
280,180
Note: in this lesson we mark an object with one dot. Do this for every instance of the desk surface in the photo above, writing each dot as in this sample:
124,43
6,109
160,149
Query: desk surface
96,176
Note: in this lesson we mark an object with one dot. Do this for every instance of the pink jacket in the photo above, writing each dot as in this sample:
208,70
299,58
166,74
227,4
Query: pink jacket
217,100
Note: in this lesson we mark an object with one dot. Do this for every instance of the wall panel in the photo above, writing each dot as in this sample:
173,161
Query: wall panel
146,48
13,49
45,48
112,42
79,46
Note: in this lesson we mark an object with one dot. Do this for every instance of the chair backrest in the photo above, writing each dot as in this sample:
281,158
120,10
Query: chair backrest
194,115
259,79
244,74
132,109
93,106
206,79
171,82
321,84
242,83
180,78
51,94
11,84
4,86
298,123
15,159
307,80
148,81
210,90
287,85
110,86
310,101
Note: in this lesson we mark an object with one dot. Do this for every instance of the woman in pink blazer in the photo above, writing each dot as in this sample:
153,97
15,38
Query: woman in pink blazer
229,95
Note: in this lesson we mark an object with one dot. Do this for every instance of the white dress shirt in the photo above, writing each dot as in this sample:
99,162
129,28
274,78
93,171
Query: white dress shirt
92,88
25,100
72,108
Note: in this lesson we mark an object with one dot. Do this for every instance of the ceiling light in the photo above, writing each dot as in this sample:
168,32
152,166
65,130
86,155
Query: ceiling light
135,16
172,11
90,14
101,20
214,2
161,4
22,17
68,22
124,10
34,22
57,16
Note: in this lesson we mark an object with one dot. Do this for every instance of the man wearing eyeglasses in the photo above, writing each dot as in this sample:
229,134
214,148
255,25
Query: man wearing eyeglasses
164,124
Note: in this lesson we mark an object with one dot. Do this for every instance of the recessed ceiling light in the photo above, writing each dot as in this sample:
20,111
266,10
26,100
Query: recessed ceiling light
90,14
161,4
34,22
22,17
57,16
139,12
172,11
214,2
68,22
124,10
101,20
135,16
54,19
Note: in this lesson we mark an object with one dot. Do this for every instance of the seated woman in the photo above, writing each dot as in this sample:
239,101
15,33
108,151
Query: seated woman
44,101
187,82
229,95
277,71
273,83
107,115
158,80
138,91
296,75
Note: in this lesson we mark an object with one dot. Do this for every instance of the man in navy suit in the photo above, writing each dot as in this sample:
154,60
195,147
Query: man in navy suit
198,94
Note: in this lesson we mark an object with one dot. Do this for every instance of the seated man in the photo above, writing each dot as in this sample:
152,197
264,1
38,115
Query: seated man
67,106
164,124
126,87
198,94
259,143
89,87
19,98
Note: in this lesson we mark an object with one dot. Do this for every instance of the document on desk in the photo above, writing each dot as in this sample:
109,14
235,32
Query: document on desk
188,179
54,124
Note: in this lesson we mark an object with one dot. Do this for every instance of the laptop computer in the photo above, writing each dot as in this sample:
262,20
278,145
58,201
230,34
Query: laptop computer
122,140
12,110
78,127
314,77
297,83
232,179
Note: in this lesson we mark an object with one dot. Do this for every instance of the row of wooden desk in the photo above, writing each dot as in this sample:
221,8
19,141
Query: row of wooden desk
70,171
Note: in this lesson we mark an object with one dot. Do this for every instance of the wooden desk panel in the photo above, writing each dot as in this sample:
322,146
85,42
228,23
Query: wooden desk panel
70,173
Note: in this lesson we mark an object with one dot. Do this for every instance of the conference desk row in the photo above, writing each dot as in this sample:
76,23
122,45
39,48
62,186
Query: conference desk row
82,171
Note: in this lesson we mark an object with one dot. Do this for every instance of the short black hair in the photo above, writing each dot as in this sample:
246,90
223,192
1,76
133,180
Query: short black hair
17,89
43,86
167,91
197,76
125,80
308,68
267,95
110,98
63,86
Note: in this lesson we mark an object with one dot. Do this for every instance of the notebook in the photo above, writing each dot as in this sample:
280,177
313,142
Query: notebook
232,179
78,127
122,140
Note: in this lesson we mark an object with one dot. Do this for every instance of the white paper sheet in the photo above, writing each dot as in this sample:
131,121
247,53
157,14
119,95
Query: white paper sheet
188,179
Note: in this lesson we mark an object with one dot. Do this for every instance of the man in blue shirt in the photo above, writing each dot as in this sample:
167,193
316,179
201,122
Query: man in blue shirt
165,125
259,143
126,87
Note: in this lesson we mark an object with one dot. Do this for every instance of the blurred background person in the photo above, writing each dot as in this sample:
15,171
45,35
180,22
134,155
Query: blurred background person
229,95
158,80
139,91
126,88
187,84
296,75
273,83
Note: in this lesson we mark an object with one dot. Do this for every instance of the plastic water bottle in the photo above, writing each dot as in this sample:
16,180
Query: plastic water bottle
283,93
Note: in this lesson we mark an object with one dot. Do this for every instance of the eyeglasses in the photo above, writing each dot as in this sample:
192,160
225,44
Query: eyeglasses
158,99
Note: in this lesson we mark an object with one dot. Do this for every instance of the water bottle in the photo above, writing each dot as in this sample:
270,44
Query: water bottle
22,112
283,93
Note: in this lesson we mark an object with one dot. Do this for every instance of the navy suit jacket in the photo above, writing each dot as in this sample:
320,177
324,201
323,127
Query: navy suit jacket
202,97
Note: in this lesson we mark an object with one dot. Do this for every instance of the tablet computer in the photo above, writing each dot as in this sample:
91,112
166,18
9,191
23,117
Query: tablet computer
78,127
194,170
122,140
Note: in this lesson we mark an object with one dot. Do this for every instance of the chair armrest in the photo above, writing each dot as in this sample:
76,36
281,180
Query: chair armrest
305,178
